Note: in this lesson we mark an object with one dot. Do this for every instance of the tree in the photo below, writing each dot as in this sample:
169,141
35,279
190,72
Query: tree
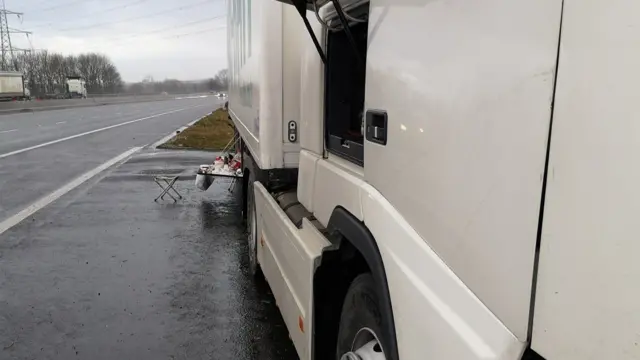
46,73
222,79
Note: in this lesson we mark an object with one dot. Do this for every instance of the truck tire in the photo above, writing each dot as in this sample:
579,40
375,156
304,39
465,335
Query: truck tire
360,322
252,229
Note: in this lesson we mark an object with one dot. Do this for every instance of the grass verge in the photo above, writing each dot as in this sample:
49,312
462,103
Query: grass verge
212,132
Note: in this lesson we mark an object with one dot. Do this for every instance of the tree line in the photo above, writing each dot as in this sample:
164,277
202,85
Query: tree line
172,86
46,72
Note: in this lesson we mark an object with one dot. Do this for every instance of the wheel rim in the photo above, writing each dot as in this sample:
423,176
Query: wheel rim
365,346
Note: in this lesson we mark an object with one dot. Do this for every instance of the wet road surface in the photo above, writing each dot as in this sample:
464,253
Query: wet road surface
106,273
27,173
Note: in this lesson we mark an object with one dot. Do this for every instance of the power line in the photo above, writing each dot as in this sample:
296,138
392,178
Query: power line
184,7
125,38
134,3
180,36
168,28
59,6
195,32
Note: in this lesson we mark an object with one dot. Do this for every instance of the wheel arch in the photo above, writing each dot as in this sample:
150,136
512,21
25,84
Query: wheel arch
357,251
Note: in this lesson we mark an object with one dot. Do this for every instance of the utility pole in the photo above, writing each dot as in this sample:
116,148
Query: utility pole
7,62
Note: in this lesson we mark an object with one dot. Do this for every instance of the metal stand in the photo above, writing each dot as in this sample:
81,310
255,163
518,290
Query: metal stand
233,183
168,181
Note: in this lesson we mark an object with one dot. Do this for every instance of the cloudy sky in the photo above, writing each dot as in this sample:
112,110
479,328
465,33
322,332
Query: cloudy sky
184,39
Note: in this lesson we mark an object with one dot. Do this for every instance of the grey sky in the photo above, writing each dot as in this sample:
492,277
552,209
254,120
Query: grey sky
142,37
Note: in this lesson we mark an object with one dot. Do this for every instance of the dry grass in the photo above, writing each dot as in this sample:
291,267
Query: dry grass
212,132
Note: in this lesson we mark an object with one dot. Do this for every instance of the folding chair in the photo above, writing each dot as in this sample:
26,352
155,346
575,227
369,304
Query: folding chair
166,184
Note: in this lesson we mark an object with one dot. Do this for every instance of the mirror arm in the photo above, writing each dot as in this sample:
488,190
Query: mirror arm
301,6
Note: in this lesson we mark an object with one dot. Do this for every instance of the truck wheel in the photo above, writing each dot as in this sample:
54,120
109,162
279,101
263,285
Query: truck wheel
252,229
360,322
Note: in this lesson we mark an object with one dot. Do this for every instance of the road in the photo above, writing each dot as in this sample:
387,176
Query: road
102,271
42,151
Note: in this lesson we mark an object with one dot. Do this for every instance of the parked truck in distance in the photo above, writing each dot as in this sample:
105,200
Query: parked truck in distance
76,88
12,86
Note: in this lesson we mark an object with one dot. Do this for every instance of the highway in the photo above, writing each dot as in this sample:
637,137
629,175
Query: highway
42,151
92,268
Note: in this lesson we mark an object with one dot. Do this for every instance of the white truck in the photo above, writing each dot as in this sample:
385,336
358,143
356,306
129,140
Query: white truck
445,180
12,86
76,88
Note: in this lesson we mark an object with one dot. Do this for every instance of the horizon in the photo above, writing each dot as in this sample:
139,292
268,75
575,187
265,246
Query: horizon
143,38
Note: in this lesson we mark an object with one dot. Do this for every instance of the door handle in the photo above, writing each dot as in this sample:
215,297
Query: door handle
376,126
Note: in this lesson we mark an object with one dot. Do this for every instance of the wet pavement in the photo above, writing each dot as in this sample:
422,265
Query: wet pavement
41,152
106,273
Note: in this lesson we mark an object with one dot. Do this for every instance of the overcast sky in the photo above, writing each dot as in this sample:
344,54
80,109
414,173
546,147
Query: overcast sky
183,39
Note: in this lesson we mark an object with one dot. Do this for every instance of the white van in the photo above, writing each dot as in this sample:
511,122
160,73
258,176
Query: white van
447,179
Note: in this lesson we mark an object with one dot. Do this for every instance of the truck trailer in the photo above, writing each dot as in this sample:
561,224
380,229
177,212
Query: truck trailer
12,86
443,180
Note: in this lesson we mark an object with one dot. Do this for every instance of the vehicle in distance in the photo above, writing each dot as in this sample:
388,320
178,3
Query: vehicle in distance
442,180
76,87
12,86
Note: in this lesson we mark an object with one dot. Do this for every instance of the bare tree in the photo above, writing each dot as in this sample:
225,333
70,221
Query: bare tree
46,73
222,79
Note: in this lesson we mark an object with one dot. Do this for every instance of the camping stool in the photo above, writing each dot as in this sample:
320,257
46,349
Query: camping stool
166,184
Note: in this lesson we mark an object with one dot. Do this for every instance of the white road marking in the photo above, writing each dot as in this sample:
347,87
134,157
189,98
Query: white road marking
2,156
61,122
8,131
173,134
192,97
36,206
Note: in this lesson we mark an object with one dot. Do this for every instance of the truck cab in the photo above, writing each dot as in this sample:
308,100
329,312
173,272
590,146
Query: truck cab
442,180
76,87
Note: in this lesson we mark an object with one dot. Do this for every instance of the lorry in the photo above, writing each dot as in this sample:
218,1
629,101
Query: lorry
12,86
444,180
75,87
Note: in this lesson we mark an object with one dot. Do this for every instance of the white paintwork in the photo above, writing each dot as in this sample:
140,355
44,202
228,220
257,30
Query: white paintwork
294,38
588,295
271,86
307,178
264,90
291,154
469,109
286,255
335,186
244,48
453,199
312,92
41,203
436,314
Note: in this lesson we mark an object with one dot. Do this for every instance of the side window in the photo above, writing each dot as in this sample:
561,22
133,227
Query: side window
345,75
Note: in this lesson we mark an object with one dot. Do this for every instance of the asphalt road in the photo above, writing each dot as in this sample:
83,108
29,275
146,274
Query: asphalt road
40,152
103,271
